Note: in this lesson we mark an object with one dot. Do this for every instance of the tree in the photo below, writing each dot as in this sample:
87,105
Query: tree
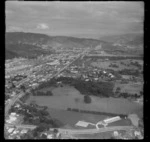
44,136
55,131
141,93
87,99
22,87
118,89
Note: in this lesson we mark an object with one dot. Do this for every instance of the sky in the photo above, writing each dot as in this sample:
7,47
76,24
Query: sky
79,19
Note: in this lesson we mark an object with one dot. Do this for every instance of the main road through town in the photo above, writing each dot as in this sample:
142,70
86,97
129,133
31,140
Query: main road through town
15,98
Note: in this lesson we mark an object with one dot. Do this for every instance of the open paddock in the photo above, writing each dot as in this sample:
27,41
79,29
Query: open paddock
68,97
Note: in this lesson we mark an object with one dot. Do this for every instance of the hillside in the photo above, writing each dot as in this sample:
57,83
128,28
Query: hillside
34,44
126,43
130,39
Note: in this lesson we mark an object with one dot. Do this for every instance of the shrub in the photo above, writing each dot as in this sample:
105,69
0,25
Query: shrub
68,109
87,99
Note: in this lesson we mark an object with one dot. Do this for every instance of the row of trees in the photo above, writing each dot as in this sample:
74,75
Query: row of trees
113,65
127,95
136,64
96,112
39,93
102,89
129,72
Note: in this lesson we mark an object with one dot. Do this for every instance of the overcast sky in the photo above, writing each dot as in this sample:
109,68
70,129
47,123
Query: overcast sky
84,19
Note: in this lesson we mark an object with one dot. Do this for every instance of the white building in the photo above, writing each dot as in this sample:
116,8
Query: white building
83,123
107,121
113,119
10,130
104,72
24,131
50,136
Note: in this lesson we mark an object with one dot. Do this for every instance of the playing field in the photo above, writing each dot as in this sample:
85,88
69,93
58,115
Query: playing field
68,97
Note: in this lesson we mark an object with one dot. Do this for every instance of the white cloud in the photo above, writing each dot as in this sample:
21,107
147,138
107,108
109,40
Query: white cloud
8,12
42,26
13,29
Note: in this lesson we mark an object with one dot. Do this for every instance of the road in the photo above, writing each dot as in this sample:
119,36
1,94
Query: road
93,131
11,103
80,55
76,131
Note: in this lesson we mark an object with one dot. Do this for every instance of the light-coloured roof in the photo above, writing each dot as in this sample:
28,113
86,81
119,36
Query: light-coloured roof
82,123
24,131
50,136
10,130
109,120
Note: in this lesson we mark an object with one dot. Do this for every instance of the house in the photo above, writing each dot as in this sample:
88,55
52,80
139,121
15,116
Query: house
82,124
10,130
104,72
50,136
105,122
24,131
113,119
11,119
86,79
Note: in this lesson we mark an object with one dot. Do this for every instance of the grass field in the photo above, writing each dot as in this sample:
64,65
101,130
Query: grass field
69,119
130,87
67,96
105,64
106,135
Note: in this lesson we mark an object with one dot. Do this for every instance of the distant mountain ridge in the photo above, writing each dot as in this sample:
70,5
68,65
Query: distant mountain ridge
33,44
128,39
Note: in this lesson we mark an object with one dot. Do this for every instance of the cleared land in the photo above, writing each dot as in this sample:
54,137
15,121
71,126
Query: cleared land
69,119
122,64
132,88
65,97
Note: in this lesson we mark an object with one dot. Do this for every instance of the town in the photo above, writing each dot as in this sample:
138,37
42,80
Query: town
74,70
23,75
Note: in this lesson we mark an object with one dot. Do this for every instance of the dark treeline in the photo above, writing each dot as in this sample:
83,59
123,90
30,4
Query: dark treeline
39,93
101,89
113,65
96,112
136,64
129,72
115,57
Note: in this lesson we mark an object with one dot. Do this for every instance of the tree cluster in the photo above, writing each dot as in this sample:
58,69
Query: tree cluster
96,112
136,64
87,99
35,116
129,72
25,97
102,89
113,65
128,95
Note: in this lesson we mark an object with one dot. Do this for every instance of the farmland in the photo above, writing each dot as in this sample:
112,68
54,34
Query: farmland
65,97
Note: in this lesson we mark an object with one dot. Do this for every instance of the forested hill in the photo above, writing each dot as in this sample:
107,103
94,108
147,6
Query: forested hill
34,44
